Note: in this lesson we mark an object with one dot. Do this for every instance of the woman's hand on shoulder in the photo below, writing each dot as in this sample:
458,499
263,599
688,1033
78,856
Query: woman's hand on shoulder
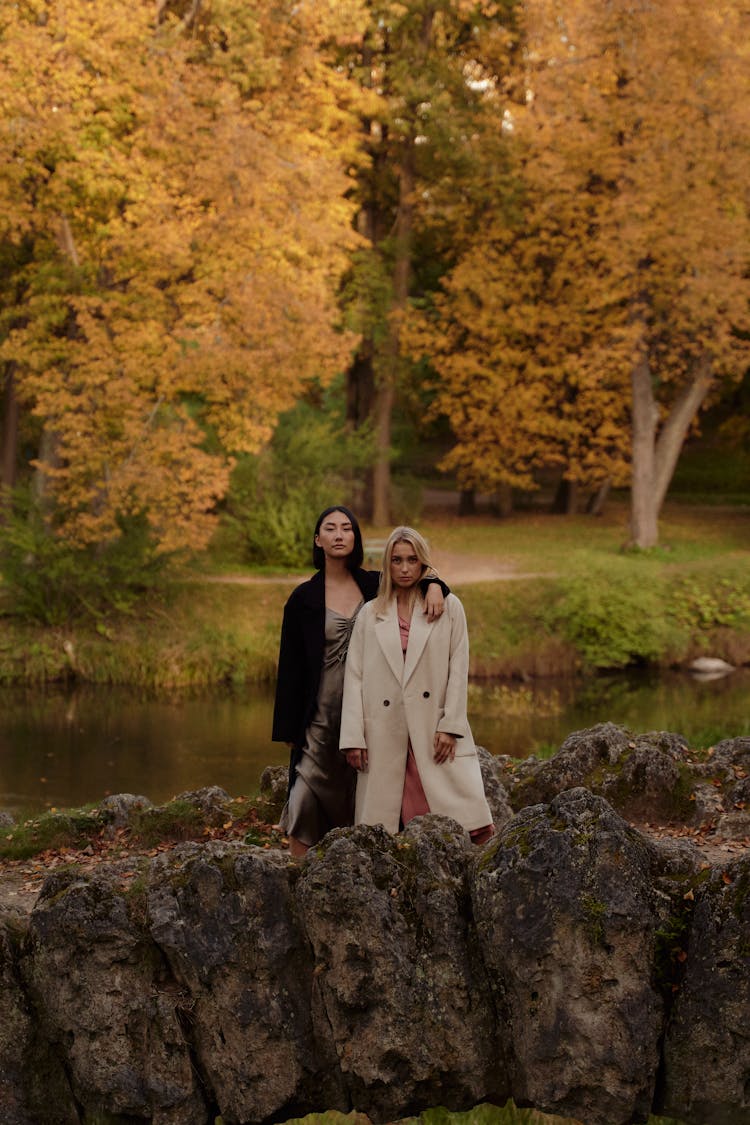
444,746
357,759
434,602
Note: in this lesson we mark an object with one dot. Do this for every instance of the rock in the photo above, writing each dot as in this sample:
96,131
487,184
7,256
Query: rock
571,963
567,918
107,1005
6,820
33,1085
734,825
117,809
494,789
710,666
225,918
725,793
15,1039
645,776
399,979
213,801
274,783
708,802
707,1050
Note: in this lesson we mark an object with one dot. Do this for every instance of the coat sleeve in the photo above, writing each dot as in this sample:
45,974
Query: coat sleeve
425,582
290,685
455,720
352,735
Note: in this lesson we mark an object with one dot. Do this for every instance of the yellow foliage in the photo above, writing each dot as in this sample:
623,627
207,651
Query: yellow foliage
179,205
632,146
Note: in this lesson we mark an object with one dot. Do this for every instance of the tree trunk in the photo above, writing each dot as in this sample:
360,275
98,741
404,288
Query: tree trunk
644,524
385,394
504,501
360,398
674,431
655,458
467,502
389,369
9,434
566,497
381,473
47,457
360,376
597,500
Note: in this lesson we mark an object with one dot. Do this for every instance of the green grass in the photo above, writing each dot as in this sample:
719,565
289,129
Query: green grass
595,606
538,542
71,828
485,1114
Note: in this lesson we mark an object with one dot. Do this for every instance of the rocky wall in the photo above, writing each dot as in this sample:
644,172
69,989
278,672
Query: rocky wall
572,963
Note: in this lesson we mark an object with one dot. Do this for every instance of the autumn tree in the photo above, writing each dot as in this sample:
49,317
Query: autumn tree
422,68
505,339
619,302
173,225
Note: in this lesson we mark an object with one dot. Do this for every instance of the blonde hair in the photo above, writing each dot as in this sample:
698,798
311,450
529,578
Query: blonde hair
421,548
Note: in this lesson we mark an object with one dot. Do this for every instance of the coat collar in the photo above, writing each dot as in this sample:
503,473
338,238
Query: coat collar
389,639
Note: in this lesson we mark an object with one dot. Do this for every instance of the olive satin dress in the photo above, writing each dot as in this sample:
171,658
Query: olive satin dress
322,794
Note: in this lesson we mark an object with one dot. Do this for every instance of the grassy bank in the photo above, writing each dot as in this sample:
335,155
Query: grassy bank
591,605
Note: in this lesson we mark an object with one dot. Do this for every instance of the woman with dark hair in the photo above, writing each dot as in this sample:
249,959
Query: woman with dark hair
318,621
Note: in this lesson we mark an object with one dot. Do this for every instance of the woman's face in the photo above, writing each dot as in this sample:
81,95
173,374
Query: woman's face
335,536
406,569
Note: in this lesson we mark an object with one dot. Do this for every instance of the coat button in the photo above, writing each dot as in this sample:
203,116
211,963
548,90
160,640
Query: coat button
425,695
386,702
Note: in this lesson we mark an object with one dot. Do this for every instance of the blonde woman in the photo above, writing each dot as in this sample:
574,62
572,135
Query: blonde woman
403,721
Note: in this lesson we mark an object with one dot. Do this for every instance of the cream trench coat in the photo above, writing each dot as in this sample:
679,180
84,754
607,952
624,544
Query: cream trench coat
389,700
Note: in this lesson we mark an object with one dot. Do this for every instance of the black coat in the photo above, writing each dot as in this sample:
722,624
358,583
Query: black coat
301,654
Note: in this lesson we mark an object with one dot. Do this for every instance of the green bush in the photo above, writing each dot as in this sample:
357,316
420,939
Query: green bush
274,498
704,602
49,580
614,617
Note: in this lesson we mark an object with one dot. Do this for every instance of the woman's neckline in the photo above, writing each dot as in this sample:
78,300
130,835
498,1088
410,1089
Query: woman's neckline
344,616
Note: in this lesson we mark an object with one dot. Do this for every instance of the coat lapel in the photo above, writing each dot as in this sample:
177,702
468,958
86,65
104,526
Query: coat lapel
419,632
389,639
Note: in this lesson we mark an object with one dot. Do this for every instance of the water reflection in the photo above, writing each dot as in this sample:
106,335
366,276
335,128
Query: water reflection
538,717
59,749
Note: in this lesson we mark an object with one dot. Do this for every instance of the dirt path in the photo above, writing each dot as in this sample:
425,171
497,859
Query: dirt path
458,569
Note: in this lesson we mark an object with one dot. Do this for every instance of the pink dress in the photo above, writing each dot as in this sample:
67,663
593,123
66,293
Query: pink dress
414,802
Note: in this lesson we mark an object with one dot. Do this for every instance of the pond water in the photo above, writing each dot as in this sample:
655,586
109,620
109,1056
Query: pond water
60,749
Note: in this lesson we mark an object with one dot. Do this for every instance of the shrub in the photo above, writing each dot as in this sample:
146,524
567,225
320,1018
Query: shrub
614,618
275,497
54,582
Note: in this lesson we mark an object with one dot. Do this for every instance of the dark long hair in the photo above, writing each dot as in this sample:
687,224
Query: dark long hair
355,559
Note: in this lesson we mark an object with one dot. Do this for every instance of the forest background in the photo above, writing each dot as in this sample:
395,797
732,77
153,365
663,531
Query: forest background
256,258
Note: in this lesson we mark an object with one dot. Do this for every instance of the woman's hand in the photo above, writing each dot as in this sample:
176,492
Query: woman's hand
434,602
445,747
357,759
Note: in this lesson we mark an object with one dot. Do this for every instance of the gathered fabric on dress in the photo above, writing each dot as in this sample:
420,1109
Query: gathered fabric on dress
322,791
